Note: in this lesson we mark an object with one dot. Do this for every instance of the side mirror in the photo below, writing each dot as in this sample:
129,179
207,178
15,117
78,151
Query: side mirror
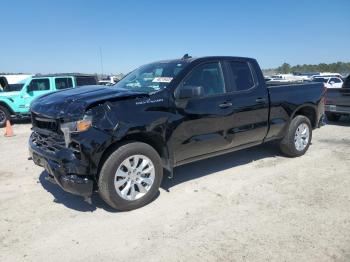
332,82
190,92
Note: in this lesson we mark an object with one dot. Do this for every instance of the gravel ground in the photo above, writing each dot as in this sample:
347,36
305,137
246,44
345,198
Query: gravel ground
252,205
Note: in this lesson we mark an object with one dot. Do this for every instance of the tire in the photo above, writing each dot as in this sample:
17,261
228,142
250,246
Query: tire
4,116
333,117
112,194
289,144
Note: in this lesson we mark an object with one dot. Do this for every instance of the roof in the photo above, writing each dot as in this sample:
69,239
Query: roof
66,74
191,59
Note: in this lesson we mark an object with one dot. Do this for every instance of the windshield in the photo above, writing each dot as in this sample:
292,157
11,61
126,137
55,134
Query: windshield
13,87
152,77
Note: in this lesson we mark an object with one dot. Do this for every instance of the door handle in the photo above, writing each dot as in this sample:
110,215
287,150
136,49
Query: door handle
260,100
225,105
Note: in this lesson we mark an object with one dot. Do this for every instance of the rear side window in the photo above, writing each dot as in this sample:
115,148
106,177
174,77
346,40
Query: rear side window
86,80
63,83
209,76
241,76
40,84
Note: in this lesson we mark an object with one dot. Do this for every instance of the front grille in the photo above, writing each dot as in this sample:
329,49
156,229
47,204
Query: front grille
48,142
45,123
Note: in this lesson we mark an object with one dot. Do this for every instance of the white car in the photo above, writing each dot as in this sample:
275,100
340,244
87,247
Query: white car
330,82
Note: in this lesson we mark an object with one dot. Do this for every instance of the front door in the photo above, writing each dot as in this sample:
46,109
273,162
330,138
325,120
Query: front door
202,127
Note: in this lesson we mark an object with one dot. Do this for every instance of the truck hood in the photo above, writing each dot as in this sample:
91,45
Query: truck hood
72,103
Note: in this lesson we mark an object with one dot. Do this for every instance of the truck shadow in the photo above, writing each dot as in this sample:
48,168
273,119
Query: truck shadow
72,201
182,174
211,165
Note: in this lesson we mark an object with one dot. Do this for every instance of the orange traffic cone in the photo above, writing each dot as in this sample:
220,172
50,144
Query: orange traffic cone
8,129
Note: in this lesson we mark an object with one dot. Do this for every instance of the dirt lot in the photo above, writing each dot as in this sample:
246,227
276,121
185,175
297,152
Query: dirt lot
253,205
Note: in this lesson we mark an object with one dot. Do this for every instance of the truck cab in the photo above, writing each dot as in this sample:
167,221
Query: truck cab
15,104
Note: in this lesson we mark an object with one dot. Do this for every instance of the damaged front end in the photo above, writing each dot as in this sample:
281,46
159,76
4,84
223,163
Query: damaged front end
70,151
71,131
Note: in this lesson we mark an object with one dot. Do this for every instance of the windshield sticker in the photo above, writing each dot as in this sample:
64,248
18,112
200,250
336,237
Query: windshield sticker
162,80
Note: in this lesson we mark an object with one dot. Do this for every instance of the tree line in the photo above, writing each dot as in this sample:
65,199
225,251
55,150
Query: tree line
339,67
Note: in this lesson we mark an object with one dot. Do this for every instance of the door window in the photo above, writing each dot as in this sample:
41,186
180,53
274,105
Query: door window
40,84
241,76
209,76
86,80
63,83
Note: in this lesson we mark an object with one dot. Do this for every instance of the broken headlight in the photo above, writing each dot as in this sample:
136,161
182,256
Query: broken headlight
75,126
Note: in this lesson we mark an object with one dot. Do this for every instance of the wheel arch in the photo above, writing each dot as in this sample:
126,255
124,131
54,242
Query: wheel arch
5,105
153,140
307,110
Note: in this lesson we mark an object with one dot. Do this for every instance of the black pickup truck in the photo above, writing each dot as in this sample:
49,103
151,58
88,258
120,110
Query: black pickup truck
118,140
338,101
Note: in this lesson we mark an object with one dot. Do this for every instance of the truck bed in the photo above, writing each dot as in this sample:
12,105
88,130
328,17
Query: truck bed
285,99
296,93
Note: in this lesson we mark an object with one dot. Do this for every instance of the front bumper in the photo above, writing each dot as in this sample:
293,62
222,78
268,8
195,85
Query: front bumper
66,170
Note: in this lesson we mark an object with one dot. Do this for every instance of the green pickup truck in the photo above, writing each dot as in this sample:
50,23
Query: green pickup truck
15,104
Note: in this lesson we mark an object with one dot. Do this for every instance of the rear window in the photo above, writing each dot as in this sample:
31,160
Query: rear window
86,80
63,83
242,78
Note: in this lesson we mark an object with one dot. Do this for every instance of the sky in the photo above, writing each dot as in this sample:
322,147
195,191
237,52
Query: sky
47,36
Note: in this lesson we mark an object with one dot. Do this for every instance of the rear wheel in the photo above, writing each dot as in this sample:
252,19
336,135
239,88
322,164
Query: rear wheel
333,117
131,176
298,137
4,116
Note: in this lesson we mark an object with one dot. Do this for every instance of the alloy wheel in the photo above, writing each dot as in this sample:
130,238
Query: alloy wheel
134,177
302,136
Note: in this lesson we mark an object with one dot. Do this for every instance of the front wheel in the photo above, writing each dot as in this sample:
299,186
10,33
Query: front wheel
130,177
4,116
298,137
